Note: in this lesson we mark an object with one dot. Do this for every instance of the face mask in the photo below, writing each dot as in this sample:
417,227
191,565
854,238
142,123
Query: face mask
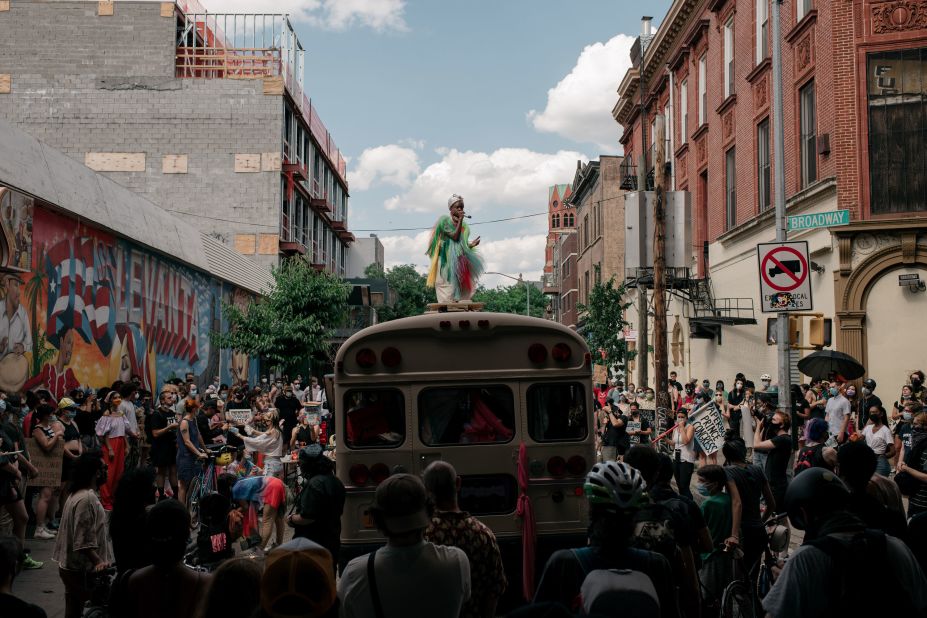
649,396
739,385
907,416
834,391
866,392
915,383
851,393
193,391
703,489
2,405
876,419
775,426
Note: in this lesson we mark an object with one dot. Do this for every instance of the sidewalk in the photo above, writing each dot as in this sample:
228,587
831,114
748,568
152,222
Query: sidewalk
42,586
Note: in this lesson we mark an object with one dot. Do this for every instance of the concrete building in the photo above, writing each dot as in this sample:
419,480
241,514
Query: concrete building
853,109
101,285
567,295
599,202
203,114
561,217
363,253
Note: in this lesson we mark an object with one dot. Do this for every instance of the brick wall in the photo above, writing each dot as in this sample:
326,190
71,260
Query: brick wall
104,84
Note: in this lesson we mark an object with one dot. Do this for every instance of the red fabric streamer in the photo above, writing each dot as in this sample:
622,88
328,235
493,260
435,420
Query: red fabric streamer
525,510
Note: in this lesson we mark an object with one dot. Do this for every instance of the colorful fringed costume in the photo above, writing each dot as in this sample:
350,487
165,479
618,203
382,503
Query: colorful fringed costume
455,267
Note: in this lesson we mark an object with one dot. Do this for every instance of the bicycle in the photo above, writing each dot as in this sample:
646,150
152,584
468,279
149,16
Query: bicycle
778,537
736,598
205,482
100,584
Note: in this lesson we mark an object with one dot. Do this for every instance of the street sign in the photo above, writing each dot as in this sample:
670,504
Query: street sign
909,279
818,219
784,281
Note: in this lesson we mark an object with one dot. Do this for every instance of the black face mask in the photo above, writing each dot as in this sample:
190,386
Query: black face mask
916,383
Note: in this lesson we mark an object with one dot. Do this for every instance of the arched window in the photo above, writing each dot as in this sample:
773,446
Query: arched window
556,203
555,221
567,220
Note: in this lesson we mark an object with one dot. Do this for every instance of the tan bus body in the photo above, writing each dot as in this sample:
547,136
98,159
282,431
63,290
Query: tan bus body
468,388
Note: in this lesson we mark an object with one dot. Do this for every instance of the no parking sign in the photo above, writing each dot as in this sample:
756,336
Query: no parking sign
784,281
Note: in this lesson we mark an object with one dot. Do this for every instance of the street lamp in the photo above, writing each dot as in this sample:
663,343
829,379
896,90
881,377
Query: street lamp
520,280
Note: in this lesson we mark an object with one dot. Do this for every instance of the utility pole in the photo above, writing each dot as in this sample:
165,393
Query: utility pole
659,264
644,372
782,326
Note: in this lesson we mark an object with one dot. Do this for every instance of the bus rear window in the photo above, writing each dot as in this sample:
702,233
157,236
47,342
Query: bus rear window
374,418
466,415
557,412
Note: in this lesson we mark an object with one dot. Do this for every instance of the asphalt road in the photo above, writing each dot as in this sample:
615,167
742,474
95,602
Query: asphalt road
42,586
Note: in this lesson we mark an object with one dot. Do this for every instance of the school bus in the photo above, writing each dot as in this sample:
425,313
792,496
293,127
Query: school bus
468,388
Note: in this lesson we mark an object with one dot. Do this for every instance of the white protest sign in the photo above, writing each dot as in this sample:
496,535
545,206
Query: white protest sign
709,427
634,426
239,416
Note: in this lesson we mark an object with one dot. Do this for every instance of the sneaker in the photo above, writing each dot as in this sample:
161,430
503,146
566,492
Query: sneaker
43,534
53,525
31,563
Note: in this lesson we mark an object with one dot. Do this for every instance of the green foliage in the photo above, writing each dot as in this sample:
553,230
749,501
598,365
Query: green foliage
373,271
293,322
511,299
603,322
411,293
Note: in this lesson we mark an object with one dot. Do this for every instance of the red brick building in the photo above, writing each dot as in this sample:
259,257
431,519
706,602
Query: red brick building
854,76
565,278
561,218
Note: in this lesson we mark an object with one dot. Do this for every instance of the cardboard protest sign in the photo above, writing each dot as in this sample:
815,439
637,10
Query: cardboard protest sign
239,416
634,426
599,375
48,464
709,427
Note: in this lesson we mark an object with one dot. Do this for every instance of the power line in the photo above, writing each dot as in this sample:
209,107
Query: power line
419,229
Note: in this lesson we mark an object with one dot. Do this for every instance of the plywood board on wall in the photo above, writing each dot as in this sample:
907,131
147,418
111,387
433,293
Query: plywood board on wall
247,163
6,83
4,5
174,164
105,7
115,161
167,9
273,85
270,161
245,244
268,244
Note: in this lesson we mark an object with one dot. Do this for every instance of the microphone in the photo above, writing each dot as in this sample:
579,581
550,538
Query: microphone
468,217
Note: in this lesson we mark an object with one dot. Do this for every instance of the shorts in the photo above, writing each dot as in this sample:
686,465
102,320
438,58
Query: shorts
187,469
9,490
163,456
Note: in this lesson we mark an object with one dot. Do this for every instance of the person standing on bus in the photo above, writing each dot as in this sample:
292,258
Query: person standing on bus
455,266
451,526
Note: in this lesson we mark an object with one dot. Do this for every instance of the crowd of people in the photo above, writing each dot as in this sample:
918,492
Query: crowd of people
836,466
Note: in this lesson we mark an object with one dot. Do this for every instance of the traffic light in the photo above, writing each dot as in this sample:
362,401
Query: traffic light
819,332
795,329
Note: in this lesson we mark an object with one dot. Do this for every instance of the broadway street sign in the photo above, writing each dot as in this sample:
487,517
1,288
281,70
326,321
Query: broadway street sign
819,219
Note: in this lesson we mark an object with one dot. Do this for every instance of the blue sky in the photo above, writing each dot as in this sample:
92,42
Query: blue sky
492,99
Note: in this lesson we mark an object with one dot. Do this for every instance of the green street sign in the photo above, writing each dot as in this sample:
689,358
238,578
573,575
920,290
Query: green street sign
819,219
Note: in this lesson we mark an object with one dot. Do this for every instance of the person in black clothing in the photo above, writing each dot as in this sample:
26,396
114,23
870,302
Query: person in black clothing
778,449
288,406
303,434
752,485
321,501
856,464
10,551
615,443
868,400
641,429
162,425
207,431
134,494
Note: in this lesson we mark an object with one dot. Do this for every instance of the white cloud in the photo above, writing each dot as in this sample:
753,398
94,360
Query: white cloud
380,15
513,256
579,106
390,164
501,182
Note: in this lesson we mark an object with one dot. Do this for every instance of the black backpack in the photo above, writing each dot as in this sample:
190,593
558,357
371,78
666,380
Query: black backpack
865,552
808,457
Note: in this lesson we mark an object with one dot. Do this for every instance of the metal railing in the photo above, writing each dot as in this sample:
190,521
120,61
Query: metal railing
628,173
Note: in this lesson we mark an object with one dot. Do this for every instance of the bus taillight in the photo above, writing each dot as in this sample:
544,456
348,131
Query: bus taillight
483,323
561,353
391,357
359,474
537,353
379,472
366,358
556,466
576,465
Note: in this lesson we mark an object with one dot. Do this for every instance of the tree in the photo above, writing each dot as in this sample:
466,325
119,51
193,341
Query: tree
511,299
293,322
604,321
410,289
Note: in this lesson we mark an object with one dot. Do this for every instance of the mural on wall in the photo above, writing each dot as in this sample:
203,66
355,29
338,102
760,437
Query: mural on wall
96,309
16,228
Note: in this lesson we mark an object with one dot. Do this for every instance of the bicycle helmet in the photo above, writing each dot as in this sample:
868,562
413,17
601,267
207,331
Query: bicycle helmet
870,384
765,377
224,459
614,484
816,490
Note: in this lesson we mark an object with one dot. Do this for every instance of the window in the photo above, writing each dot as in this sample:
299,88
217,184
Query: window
586,287
808,140
762,30
802,7
762,164
684,111
897,98
729,57
466,415
586,231
566,268
374,418
702,89
556,412
570,220
730,187
556,203
555,221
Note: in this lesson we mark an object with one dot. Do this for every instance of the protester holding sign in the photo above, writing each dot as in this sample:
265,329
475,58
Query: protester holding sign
67,410
639,428
778,449
48,434
163,426
684,456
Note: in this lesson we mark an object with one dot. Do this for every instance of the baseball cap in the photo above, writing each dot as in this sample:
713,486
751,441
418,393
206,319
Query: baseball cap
298,580
66,403
403,503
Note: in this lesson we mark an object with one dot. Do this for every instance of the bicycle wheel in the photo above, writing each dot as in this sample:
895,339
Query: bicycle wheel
736,601
194,492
